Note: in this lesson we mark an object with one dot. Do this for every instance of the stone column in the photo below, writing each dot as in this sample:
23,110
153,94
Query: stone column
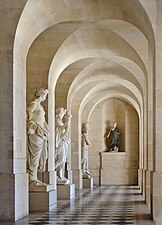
76,153
157,175
13,177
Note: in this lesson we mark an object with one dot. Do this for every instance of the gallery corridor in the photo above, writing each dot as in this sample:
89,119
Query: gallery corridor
100,205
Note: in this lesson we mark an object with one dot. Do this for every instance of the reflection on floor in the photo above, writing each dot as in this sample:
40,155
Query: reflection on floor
100,205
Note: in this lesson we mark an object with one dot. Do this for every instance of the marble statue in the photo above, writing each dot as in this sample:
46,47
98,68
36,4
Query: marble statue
37,136
63,120
115,134
84,149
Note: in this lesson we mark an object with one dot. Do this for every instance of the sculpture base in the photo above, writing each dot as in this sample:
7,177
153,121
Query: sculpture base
64,181
40,188
88,182
65,192
42,198
116,170
112,150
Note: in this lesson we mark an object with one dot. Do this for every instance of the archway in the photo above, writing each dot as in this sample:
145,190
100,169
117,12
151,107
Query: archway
74,45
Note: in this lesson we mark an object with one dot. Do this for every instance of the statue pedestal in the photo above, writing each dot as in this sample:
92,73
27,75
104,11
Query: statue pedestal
65,192
117,169
88,182
42,198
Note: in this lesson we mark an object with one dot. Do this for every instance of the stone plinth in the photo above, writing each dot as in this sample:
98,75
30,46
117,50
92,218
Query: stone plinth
65,191
42,198
115,170
88,182
157,197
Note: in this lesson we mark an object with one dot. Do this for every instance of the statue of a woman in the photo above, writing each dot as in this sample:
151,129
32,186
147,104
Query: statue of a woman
114,132
84,149
63,119
37,136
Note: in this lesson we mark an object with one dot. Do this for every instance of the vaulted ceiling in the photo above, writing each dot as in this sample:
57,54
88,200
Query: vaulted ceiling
85,50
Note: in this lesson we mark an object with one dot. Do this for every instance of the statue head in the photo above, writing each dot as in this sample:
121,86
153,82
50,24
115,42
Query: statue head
115,124
60,112
41,93
85,127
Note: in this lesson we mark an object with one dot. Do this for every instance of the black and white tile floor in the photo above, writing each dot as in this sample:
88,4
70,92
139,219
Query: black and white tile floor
101,205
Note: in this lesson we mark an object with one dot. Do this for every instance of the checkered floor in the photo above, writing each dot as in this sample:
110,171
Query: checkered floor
100,205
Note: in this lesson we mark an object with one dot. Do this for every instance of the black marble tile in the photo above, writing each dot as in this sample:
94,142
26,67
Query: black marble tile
104,205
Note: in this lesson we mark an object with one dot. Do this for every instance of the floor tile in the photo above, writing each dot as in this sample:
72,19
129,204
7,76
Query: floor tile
100,205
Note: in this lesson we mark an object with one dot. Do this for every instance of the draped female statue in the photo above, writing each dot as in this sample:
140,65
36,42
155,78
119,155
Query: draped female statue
63,119
37,136
84,150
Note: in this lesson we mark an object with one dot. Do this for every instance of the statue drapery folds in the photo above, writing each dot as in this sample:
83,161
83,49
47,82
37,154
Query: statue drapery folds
37,137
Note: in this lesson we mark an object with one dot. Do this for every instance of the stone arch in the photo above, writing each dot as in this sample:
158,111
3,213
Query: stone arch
37,16
83,95
25,36
125,117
